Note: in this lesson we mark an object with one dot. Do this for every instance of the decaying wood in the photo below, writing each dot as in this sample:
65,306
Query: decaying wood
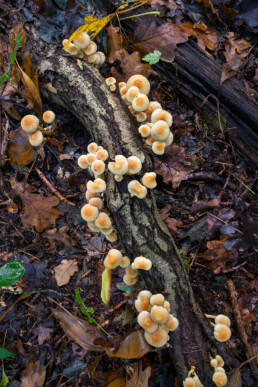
106,118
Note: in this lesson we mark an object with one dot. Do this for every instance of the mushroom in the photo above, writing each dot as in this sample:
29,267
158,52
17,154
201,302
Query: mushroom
101,56
169,139
136,189
98,167
150,140
145,321
214,363
131,272
222,332
90,157
36,138
30,123
220,378
159,314
90,195
82,162
92,148
144,130
96,202
142,263
64,42
89,213
171,324
92,227
141,117
157,299
143,301
113,259
112,237
91,48
131,93
125,262
160,131
134,165
49,117
222,319
103,220
220,361
112,88
110,81
148,180
120,166
121,84
158,338
129,280
72,49
161,115
123,92
102,154
98,185
81,40
158,147
107,231
140,103
139,81
189,382
167,306
152,106
118,178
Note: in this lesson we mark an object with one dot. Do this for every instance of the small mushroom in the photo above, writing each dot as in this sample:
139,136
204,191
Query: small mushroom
91,48
141,117
142,263
92,227
90,158
158,338
102,57
157,299
36,138
145,321
113,259
161,115
107,231
72,49
167,306
143,301
103,220
121,84
102,154
92,147
98,167
158,147
169,139
82,162
131,272
129,280
220,378
214,363
49,117
189,382
89,195
82,40
110,81
149,180
134,165
222,319
139,81
136,189
112,237
89,213
144,130
131,93
118,178
93,59
30,123
125,262
123,92
140,103
96,202
120,166
220,361
222,332
112,88
152,106
160,131
98,185
159,314
171,324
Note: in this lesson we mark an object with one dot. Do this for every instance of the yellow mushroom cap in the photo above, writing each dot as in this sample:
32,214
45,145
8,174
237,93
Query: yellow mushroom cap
92,148
81,40
220,361
101,56
64,42
161,115
131,272
90,157
82,162
160,131
129,280
148,180
96,202
166,305
222,319
158,338
92,227
121,84
140,103
220,369
89,213
220,379
222,332
49,117
189,382
30,123
91,48
98,167
143,301
110,81
142,263
157,299
118,178
169,139
123,92
112,88
141,117
150,140
102,154
97,185
214,363
89,195
159,314
120,166
136,189
145,321
72,49
144,130
171,324
125,262
103,220
36,138
158,147
107,230
152,106
134,165
131,93
68,48
139,81
93,58
113,259
112,237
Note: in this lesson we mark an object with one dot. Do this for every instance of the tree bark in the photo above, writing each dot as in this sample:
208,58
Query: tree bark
108,121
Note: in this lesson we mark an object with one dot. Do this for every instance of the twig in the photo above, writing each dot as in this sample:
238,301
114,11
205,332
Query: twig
61,197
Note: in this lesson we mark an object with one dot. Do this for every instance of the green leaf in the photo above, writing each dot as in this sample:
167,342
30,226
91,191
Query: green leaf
4,353
4,381
12,57
85,311
124,288
106,285
185,261
11,272
153,57
17,41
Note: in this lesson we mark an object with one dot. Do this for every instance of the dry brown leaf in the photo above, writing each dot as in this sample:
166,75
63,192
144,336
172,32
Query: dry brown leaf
119,382
139,378
64,271
114,42
133,346
80,331
131,64
170,4
44,334
32,376
18,29
20,152
234,378
38,211
206,37
149,37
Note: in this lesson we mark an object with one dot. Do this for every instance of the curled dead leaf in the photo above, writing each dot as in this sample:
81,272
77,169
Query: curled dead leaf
133,346
20,151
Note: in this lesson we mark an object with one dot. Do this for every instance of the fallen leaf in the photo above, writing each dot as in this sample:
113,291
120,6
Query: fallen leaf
133,346
139,378
234,378
119,382
55,236
20,151
149,37
114,42
106,285
170,4
80,331
32,376
38,211
18,29
64,271
44,334
206,37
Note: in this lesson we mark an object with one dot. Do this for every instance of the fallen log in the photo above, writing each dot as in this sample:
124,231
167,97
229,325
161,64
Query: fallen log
105,117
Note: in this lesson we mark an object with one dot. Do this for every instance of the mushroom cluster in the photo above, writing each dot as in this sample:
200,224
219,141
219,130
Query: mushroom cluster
84,48
219,377
131,272
111,83
155,318
155,133
31,125
192,381
222,330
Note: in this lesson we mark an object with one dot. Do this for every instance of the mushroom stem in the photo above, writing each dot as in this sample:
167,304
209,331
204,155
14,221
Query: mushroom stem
210,316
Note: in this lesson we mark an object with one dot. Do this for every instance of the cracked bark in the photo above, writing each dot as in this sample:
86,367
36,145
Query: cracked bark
141,231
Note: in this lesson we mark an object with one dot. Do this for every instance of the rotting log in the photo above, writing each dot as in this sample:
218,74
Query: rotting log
106,118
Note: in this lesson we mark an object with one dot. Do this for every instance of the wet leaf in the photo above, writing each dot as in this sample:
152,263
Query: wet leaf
114,42
11,272
134,346
4,354
20,151
64,271
139,378
234,378
106,285
32,376
38,211
206,37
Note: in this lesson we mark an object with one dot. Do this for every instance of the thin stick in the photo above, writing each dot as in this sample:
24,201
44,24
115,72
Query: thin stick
141,14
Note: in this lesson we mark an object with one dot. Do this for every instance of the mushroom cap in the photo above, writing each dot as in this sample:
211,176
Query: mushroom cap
72,49
131,93
171,324
112,88
98,167
220,369
141,305
49,117
129,280
161,115
36,138
64,42
160,131
189,382
90,195
220,379
112,237
102,57
141,117
110,81
158,147
107,230
90,157
158,338
30,123
96,202
89,213
102,154
123,91
68,48
125,262
113,259
120,166
169,139
136,189
142,263
144,130
91,48
148,180
145,321
82,162
118,178
92,148
166,305
197,381
159,314
92,227
150,140
222,319
139,81
134,165
140,103
121,84
152,106
157,299
103,220
81,40
214,363
220,360
98,185
222,332
93,58
131,272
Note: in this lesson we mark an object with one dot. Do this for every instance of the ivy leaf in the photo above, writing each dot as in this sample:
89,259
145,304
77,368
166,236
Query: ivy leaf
5,354
11,272
153,57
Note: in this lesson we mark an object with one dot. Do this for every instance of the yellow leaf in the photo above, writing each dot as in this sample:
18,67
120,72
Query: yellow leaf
106,285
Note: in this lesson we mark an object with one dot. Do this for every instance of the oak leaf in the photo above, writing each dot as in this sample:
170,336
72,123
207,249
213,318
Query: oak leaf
133,346
32,375
64,271
114,42
206,37
20,151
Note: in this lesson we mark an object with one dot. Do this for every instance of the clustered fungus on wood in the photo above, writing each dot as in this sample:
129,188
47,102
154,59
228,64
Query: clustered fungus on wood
222,330
31,125
219,376
192,379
